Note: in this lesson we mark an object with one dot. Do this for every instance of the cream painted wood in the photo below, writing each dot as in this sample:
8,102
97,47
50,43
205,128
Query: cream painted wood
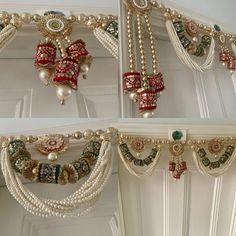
15,221
195,205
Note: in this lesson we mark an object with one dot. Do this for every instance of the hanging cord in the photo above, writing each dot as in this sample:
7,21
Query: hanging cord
107,40
80,201
184,56
7,35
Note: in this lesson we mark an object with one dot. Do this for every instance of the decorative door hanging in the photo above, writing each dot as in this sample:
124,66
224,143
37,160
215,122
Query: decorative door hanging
63,69
189,39
140,155
16,160
142,86
213,157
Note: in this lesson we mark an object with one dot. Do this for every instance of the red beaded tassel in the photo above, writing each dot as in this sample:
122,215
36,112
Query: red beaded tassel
231,65
45,61
131,81
156,82
77,50
67,71
45,55
224,56
147,100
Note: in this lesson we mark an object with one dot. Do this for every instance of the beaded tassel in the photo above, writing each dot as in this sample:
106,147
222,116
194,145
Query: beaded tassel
142,87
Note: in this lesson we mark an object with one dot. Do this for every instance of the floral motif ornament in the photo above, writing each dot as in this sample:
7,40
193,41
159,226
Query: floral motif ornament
54,26
51,145
215,157
74,60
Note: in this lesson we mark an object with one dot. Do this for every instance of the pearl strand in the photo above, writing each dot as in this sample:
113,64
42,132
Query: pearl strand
150,169
130,41
152,45
87,195
107,41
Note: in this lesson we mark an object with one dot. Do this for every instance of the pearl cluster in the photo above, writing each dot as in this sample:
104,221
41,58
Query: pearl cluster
78,203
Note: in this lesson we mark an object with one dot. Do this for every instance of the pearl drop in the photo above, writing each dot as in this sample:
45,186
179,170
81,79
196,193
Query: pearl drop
133,96
52,156
148,114
195,39
84,68
44,76
63,92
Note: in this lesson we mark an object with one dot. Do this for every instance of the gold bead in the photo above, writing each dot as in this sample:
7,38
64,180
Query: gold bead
78,135
36,17
26,18
16,22
72,18
4,15
88,134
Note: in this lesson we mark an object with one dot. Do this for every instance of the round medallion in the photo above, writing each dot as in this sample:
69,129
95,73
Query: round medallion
191,28
137,145
215,147
54,26
52,144
176,148
139,5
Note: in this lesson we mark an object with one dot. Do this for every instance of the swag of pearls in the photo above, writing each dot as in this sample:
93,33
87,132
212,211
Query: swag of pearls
76,204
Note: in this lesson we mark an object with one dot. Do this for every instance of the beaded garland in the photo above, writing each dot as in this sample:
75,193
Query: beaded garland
137,162
76,204
50,173
212,162
188,29
216,157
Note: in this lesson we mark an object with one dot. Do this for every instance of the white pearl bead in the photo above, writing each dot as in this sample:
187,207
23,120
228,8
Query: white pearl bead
52,156
44,76
133,96
148,114
63,92
84,69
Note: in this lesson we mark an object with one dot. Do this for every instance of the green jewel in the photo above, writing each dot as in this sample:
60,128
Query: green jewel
1,27
206,40
200,51
179,26
138,162
54,13
206,161
112,28
177,135
217,28
184,41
